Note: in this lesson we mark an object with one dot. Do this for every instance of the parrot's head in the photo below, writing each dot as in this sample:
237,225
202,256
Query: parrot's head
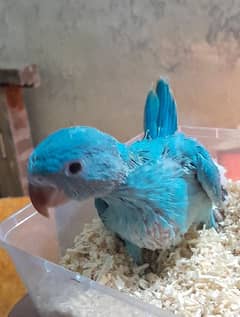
75,163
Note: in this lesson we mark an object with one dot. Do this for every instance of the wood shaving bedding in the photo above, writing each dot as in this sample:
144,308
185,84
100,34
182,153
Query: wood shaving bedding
200,277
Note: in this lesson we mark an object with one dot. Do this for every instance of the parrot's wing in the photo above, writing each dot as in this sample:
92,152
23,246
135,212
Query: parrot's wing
101,206
197,158
162,187
209,177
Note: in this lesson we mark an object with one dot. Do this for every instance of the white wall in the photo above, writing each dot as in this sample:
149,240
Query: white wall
99,58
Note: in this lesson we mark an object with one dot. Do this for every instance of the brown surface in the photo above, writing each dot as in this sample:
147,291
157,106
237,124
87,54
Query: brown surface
9,181
11,287
20,131
26,76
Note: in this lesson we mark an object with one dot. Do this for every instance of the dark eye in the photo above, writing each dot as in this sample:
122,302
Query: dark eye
74,168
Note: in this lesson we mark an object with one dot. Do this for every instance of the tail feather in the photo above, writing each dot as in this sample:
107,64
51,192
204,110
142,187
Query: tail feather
167,116
150,114
160,115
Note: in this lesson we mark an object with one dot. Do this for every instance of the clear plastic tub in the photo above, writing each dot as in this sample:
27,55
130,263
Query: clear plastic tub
35,245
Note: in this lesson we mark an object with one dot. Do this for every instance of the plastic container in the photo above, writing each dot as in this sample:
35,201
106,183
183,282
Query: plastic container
35,244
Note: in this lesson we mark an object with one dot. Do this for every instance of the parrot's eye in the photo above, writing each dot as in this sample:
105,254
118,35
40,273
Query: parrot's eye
73,168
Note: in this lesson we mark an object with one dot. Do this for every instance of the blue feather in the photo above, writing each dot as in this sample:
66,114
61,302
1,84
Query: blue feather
150,114
167,117
160,113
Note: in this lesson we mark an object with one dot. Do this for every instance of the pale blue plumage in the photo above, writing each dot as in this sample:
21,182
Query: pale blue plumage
148,193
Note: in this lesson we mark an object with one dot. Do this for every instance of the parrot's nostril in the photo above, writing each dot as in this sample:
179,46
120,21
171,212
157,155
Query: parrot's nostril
38,180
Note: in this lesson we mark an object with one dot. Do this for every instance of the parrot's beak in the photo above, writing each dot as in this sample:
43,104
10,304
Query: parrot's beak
44,197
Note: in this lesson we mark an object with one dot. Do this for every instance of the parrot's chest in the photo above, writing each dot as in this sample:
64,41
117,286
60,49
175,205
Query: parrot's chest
139,224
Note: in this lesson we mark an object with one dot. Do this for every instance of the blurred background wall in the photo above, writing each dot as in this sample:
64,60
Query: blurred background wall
99,58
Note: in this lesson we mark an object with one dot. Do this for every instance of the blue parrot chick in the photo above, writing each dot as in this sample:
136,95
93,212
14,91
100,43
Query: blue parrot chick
148,193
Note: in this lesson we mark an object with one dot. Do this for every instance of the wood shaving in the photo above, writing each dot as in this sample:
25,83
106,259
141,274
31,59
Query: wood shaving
200,277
